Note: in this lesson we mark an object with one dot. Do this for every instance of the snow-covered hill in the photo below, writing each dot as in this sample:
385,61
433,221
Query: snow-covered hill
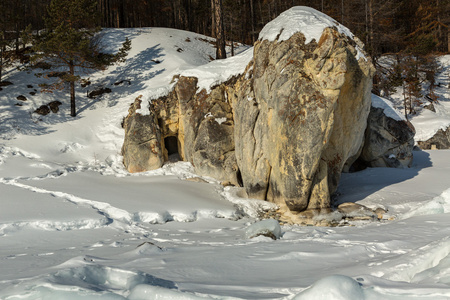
425,121
75,225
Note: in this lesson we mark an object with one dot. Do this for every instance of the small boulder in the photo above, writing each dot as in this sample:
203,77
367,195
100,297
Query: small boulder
380,212
98,92
440,140
57,74
122,81
356,211
43,110
430,106
269,228
54,106
21,98
389,138
85,83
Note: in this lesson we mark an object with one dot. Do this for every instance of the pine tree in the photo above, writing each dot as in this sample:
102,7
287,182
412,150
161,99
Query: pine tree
411,84
71,42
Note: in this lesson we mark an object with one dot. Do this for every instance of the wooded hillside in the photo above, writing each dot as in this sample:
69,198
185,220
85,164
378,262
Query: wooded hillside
384,25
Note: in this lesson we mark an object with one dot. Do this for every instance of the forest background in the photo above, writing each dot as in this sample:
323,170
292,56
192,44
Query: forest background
411,28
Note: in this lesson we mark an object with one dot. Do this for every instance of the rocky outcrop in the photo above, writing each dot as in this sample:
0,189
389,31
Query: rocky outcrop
301,118
440,140
388,141
283,130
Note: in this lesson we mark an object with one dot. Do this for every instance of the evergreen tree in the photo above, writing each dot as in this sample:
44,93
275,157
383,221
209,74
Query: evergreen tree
71,42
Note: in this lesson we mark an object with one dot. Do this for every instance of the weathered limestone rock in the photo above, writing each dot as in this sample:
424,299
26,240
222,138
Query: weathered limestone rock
301,119
440,140
141,149
388,142
283,130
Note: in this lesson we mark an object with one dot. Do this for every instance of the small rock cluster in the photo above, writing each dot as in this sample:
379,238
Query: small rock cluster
44,110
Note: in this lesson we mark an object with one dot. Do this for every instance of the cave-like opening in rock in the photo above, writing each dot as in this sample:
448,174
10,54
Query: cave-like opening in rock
171,144
239,178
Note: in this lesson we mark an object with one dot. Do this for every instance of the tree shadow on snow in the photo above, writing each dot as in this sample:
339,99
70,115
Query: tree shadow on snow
19,117
129,78
357,186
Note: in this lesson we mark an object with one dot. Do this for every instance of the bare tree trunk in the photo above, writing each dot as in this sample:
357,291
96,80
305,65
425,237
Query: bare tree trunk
404,101
73,111
448,39
261,12
220,34
371,33
253,21
231,37
213,19
366,25
439,33
1,63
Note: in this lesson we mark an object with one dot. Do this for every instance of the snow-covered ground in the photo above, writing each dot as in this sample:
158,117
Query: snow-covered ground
425,121
75,225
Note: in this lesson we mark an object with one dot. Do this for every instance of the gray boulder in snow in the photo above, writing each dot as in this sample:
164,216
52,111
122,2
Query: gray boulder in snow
440,140
388,142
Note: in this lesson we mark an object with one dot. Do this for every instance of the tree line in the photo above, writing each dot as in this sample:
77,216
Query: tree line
386,26
411,30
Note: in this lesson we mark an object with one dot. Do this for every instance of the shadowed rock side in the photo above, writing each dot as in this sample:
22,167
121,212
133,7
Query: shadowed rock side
284,129
388,142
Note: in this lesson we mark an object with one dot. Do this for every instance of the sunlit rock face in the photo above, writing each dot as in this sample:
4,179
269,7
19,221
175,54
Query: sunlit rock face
284,129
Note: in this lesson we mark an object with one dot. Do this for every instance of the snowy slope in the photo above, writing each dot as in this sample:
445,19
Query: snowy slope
425,121
75,225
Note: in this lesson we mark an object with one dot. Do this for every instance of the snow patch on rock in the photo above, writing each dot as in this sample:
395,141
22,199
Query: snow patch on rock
389,110
270,228
302,19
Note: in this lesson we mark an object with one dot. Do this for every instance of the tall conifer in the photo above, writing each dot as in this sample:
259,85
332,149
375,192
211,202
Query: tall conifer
70,42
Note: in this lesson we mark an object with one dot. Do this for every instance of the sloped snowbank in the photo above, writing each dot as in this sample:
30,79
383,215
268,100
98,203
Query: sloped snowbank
221,70
438,205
